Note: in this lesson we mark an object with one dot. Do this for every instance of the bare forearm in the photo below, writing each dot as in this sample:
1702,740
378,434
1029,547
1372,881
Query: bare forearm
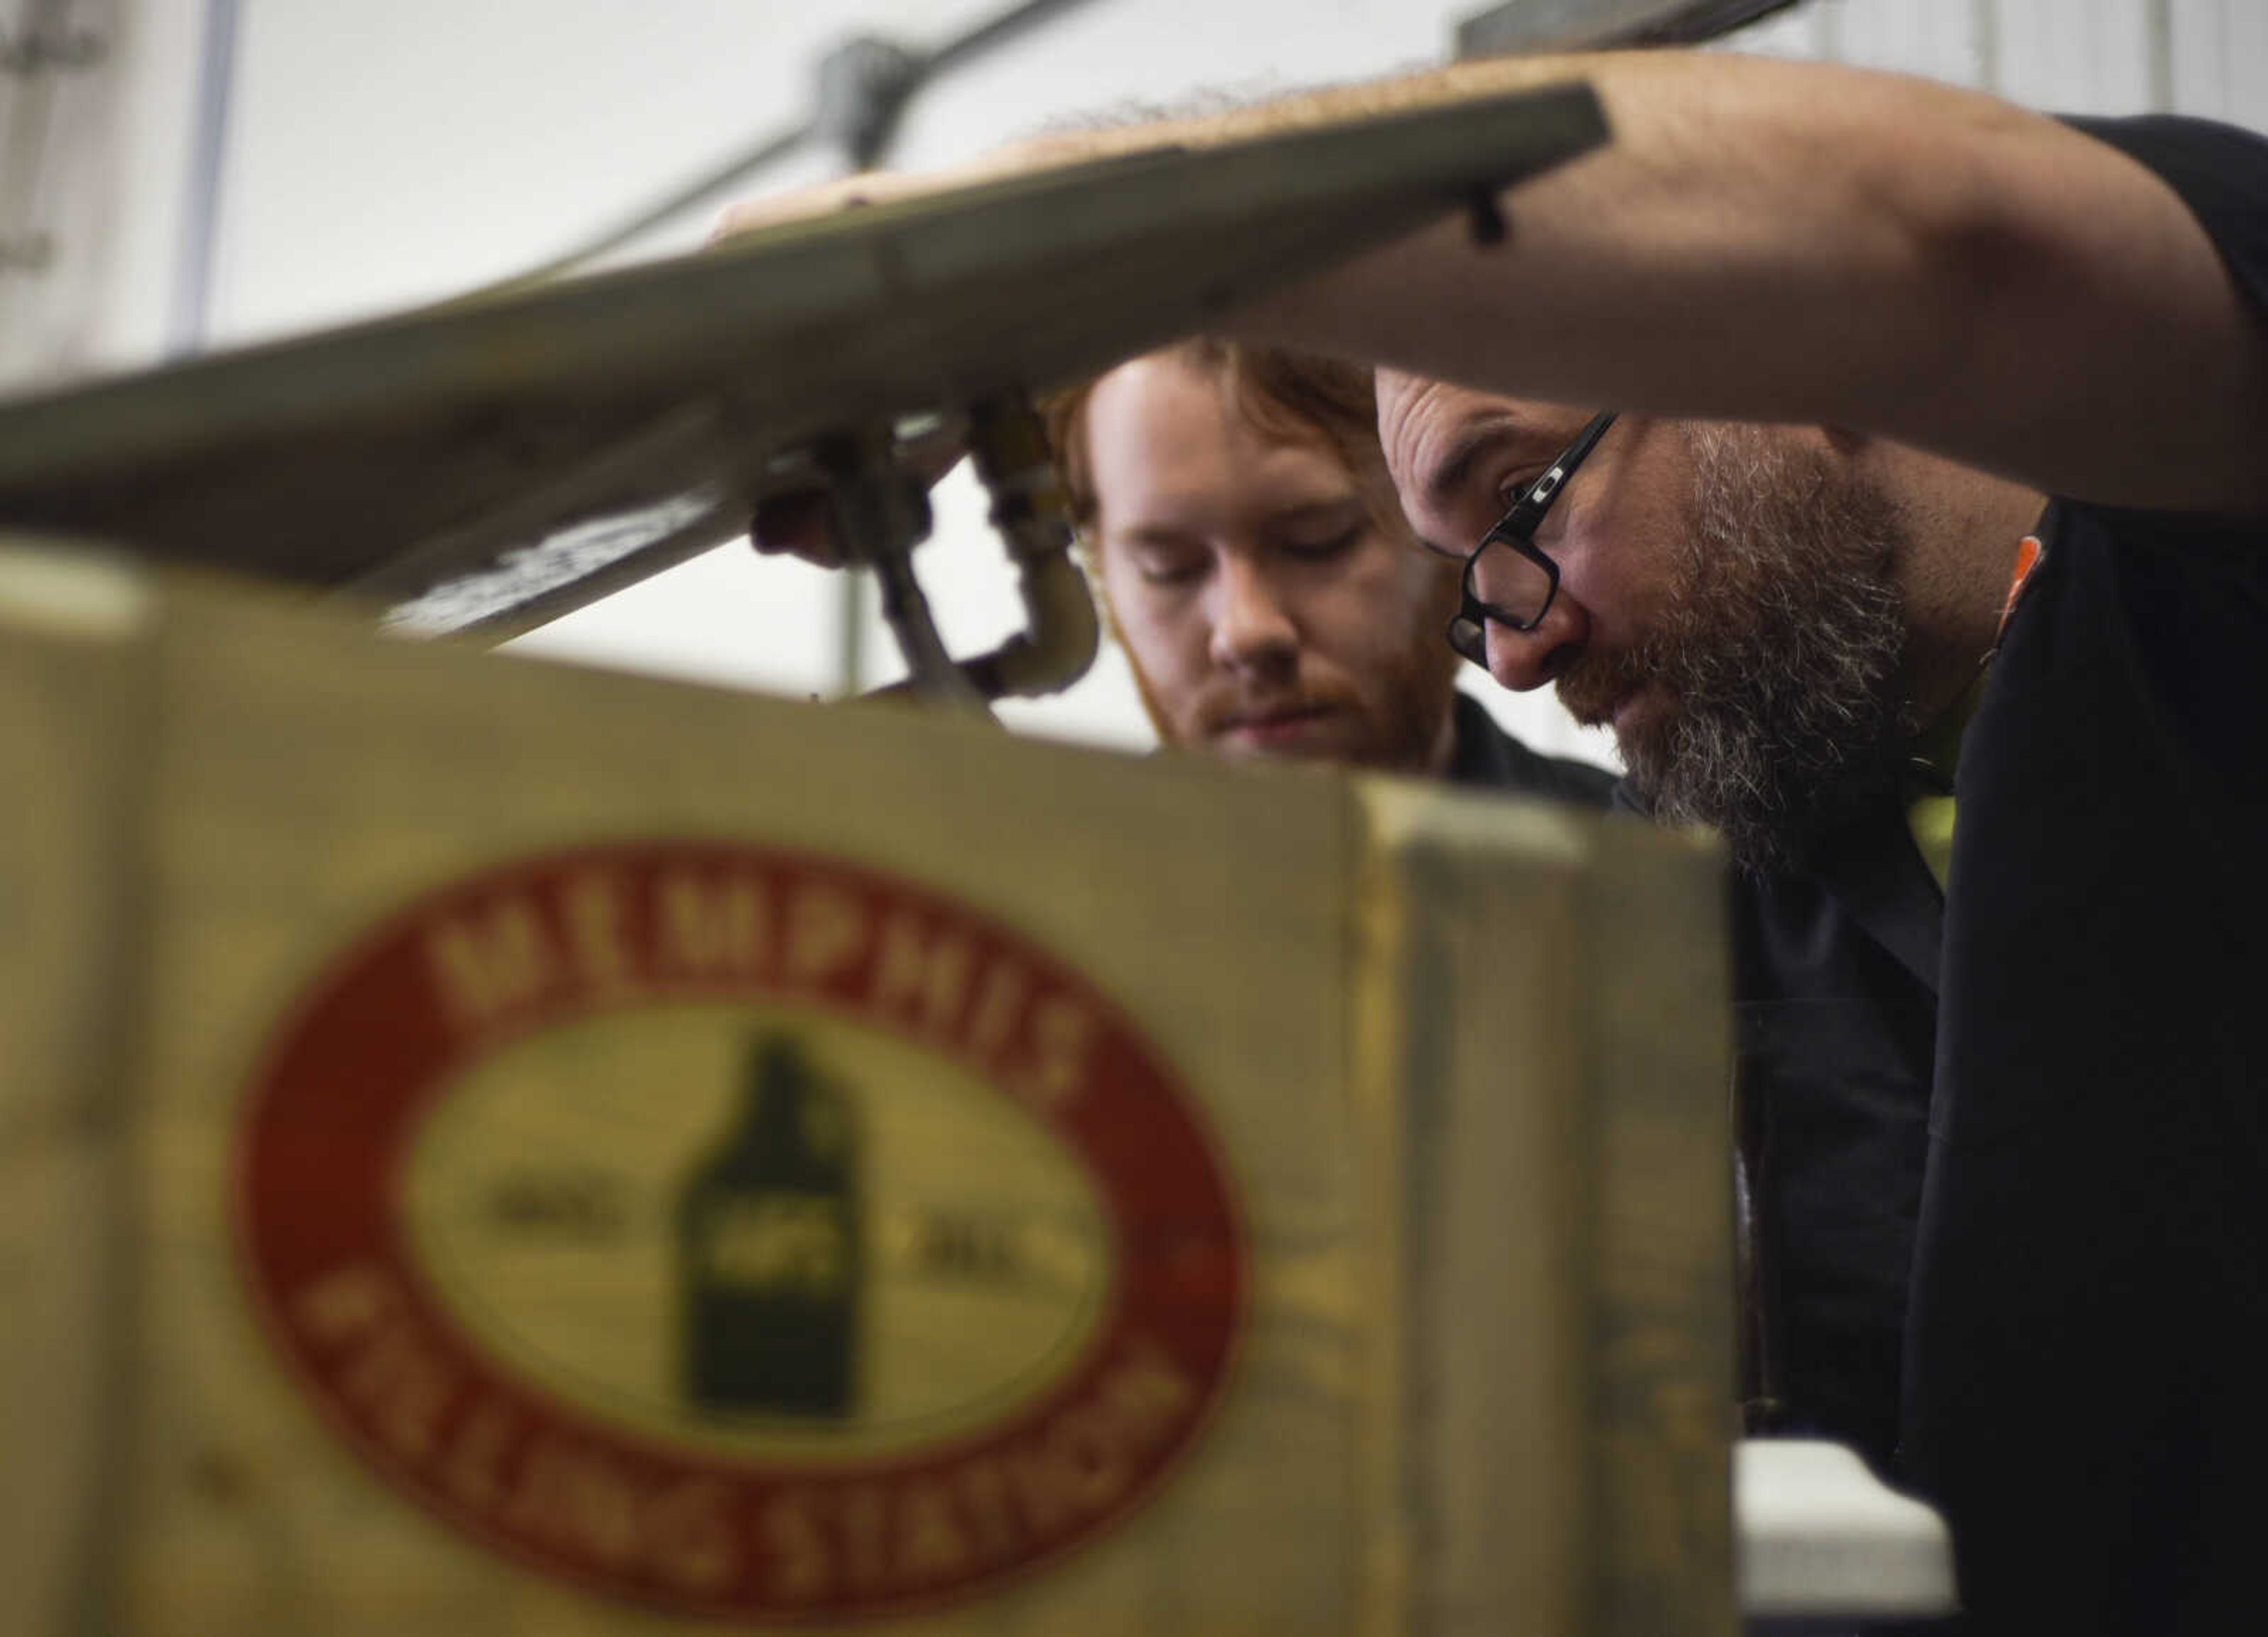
1778,241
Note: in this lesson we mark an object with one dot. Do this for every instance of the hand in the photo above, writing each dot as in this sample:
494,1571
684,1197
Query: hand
798,517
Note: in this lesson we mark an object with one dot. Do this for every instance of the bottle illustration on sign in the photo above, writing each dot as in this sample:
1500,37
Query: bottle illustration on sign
769,1247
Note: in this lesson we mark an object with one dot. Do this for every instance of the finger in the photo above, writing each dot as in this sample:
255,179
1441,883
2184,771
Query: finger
932,453
798,523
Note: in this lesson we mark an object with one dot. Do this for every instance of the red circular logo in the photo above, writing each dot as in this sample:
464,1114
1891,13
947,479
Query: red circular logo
738,1230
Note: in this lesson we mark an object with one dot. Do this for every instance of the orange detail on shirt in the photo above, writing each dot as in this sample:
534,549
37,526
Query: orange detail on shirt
2029,553
1931,814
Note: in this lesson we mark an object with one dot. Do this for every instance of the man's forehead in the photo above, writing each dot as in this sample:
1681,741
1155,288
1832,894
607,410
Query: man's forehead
1434,432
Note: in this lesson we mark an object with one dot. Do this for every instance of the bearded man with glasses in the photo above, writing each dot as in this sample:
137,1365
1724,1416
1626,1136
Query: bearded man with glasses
1985,537
1778,641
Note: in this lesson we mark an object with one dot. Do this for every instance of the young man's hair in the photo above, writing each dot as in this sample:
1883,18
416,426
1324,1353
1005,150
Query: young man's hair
1294,397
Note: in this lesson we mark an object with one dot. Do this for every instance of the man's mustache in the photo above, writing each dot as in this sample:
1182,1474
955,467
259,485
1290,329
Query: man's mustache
1221,709
1596,682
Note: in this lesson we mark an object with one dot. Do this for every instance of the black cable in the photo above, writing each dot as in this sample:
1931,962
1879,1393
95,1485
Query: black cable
770,152
1001,29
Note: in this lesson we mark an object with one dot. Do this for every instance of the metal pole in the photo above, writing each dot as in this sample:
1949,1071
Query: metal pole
1986,22
850,631
192,306
2158,53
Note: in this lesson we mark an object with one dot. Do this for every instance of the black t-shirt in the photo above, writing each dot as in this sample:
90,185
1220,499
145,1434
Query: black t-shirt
2022,1235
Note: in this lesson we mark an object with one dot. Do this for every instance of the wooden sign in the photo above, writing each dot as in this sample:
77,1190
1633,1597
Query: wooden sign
487,1148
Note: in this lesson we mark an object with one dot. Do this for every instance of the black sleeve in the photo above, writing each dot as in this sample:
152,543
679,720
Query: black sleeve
2219,172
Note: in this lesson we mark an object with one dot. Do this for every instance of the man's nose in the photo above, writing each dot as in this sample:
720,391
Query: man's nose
1521,660
1251,627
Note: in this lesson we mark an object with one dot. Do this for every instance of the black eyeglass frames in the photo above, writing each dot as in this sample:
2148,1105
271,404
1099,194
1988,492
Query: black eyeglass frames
1523,579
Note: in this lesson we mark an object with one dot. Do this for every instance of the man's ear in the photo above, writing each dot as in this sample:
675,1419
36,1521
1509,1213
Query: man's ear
1089,552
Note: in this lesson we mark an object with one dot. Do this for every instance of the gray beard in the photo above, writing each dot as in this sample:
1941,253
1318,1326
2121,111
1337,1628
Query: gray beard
1782,647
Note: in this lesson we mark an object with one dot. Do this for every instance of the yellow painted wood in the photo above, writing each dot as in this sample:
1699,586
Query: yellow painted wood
1464,1062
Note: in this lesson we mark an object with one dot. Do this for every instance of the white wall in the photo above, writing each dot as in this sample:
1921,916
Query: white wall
91,164
382,154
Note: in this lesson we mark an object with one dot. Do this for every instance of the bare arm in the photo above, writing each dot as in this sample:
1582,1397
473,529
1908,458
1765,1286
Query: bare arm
1781,241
